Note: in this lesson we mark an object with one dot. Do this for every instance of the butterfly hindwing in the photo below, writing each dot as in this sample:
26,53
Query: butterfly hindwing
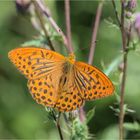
92,82
43,91
69,101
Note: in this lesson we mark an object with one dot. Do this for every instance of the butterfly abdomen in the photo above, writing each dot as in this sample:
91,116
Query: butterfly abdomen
63,81
65,73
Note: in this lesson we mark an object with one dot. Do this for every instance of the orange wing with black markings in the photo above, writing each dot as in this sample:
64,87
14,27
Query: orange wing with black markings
35,62
60,82
43,69
92,83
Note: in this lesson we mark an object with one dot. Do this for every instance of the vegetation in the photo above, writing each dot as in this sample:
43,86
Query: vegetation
105,34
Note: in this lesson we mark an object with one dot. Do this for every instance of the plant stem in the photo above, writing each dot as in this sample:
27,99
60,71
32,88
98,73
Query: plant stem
68,25
81,114
116,13
125,45
57,125
122,90
37,10
122,113
51,46
122,26
94,33
45,10
92,48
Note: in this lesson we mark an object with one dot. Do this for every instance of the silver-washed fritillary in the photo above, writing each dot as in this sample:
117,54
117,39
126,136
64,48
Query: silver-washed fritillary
57,81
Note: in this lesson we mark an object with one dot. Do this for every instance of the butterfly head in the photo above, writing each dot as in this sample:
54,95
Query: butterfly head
71,58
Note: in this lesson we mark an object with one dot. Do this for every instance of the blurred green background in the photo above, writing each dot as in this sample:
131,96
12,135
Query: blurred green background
20,115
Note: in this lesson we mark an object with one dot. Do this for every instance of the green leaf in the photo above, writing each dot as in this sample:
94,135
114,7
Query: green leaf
116,110
79,130
117,97
41,41
110,23
54,36
128,110
90,114
114,65
132,126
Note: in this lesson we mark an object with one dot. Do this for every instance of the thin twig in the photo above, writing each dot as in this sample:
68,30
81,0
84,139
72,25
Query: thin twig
122,90
92,48
81,114
68,25
46,12
94,33
38,12
49,41
122,26
57,125
121,116
116,13
129,34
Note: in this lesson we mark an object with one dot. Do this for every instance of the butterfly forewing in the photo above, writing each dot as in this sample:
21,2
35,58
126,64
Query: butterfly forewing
35,62
43,68
91,82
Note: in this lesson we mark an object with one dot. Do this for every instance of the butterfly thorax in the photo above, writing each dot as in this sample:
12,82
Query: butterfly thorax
66,71
71,58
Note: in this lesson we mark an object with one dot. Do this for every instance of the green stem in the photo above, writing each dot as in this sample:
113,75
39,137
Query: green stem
57,125
122,90
38,12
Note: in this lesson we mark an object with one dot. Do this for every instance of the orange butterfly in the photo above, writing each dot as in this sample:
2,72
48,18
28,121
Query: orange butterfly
60,82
